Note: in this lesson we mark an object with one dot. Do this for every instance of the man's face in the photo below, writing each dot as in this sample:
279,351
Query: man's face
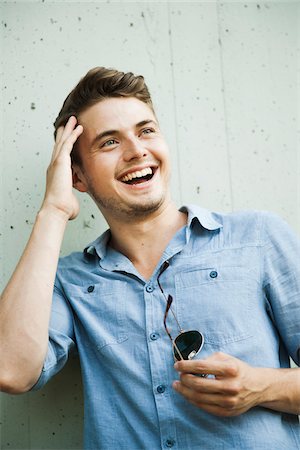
125,159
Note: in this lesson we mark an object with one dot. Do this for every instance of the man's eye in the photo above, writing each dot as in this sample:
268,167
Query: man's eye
147,131
109,142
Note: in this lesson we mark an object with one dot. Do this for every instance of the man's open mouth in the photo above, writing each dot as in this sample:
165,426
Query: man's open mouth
140,176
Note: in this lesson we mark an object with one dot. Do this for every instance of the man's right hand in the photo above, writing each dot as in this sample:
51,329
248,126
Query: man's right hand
59,193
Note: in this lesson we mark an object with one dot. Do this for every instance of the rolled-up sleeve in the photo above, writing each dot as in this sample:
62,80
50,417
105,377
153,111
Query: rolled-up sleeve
61,338
281,280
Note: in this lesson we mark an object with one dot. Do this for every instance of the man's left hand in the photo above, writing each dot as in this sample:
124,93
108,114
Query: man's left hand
233,388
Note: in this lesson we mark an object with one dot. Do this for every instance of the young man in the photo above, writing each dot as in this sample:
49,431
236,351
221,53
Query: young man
230,281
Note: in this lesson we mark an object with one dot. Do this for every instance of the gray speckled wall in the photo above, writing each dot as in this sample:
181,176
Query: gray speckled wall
224,80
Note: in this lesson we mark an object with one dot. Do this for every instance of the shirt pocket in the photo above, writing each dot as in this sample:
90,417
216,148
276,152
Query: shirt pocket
217,302
100,313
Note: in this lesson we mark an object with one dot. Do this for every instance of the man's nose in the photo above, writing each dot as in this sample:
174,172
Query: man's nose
133,149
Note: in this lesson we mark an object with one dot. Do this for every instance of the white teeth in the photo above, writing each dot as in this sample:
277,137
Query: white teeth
137,174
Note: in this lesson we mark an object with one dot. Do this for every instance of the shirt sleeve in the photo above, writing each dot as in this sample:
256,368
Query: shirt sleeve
281,279
61,338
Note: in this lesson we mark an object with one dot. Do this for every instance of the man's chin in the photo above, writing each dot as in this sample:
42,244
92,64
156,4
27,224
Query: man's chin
130,210
143,210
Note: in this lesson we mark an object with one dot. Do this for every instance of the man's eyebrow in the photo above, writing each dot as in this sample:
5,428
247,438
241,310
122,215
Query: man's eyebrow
110,132
146,122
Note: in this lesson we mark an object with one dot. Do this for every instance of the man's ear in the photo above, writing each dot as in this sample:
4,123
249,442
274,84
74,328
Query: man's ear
78,178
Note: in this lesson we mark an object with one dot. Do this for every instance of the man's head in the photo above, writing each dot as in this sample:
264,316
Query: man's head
99,84
121,158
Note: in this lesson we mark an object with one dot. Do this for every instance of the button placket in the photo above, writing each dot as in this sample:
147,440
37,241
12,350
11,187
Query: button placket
159,372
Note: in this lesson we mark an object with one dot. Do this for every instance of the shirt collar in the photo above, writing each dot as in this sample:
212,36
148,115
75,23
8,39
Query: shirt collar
206,218
99,246
195,213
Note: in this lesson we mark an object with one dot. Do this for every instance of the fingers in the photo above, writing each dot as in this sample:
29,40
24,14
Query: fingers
66,137
219,364
211,396
198,384
69,127
205,394
216,404
209,385
59,133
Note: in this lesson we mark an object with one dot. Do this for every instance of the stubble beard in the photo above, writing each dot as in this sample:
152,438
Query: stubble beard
123,210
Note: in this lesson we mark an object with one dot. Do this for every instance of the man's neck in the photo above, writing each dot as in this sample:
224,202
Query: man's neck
143,241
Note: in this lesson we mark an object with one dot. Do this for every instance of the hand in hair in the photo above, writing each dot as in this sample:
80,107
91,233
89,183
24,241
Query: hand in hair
59,195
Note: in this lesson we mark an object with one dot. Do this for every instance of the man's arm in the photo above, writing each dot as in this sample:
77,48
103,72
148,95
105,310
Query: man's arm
237,386
25,304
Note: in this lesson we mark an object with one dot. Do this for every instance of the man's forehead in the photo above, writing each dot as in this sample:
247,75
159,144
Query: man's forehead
115,113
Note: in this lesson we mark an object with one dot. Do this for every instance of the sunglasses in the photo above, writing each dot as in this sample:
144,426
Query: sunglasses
188,343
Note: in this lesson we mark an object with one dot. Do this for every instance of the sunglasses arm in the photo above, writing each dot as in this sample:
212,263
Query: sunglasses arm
169,302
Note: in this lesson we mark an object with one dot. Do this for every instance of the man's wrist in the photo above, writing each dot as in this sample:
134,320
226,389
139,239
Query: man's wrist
266,380
50,212
281,389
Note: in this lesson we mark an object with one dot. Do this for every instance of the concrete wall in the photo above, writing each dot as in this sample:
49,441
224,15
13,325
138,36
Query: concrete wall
224,81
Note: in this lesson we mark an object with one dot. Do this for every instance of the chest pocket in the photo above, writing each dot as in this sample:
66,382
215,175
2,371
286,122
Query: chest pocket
100,313
216,302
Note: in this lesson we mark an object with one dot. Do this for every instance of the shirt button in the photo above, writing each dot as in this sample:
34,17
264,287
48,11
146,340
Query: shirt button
170,443
161,389
90,288
213,274
149,288
154,336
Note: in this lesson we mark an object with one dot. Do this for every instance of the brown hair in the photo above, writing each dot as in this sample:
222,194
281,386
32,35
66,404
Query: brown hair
98,84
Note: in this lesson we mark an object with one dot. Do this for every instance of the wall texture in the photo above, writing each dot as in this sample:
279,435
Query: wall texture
224,81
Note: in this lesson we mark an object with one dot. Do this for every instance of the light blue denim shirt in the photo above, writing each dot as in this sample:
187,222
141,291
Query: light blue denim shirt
235,277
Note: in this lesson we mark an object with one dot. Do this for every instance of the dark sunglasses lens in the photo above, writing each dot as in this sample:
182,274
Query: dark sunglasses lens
188,343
